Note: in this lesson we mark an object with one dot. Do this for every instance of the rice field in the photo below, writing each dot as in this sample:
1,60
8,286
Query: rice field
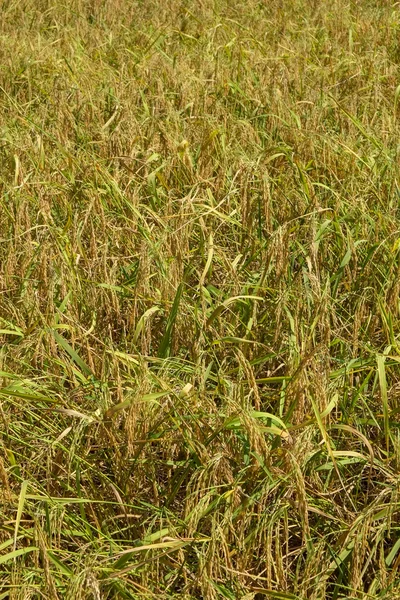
199,300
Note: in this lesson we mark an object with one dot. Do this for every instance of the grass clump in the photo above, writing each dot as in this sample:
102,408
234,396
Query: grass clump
199,308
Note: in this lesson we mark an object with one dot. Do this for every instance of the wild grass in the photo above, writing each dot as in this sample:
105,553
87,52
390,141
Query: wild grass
199,307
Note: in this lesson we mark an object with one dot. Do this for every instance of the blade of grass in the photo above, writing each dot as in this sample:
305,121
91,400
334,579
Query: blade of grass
166,341
384,397
21,504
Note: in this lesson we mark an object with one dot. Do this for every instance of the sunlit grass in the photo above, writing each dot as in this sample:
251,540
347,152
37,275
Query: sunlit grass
199,300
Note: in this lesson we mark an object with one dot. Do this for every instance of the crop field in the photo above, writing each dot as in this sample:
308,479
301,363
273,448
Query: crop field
199,299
